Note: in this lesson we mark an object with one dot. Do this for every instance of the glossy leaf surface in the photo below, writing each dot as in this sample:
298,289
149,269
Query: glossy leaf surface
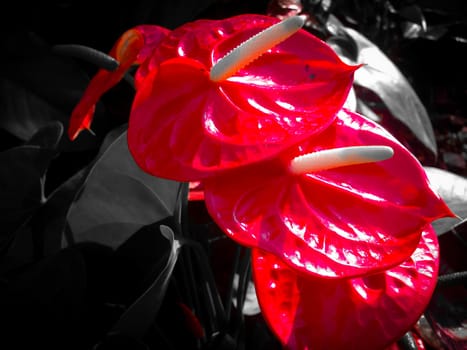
186,127
345,221
383,77
370,312
453,189
118,198
38,88
22,179
138,318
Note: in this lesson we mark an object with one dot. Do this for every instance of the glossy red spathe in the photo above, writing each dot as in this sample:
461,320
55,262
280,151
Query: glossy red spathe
342,222
184,126
367,313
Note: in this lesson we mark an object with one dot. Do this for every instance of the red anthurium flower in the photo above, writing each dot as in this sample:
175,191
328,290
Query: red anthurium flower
366,313
188,123
210,99
344,221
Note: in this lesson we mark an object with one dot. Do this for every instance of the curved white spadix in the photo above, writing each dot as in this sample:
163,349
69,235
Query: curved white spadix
255,47
339,157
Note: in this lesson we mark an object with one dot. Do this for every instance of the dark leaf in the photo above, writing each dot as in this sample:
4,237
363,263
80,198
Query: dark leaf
37,87
448,307
343,43
427,333
415,23
413,13
141,314
22,171
139,261
407,342
382,77
52,216
447,316
48,136
119,198
366,110
100,59
436,32
453,189
43,304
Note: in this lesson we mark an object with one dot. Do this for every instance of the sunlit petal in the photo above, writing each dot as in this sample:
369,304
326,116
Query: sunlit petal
188,127
345,221
370,312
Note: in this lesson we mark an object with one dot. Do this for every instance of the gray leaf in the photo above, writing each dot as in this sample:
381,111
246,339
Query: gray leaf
119,198
453,189
382,77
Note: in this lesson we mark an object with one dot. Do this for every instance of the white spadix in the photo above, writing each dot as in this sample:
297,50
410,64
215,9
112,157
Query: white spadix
339,157
255,47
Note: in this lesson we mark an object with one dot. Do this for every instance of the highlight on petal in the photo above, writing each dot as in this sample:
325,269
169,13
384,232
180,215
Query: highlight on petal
340,222
369,312
186,127
203,135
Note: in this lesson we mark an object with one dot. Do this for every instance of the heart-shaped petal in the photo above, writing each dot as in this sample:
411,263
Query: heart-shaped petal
370,312
341,222
185,126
